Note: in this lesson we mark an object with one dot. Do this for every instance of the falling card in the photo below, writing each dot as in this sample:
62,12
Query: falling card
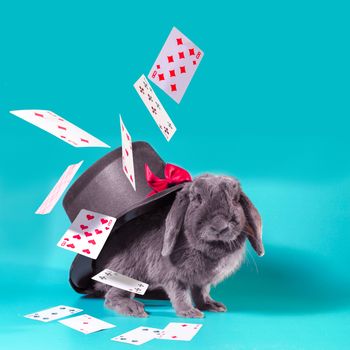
156,109
176,64
120,281
127,155
87,233
180,331
138,336
86,324
56,193
54,313
59,127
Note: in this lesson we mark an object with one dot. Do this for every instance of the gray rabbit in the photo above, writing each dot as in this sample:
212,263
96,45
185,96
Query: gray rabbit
186,247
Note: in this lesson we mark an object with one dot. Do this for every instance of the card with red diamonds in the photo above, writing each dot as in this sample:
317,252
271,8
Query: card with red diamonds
176,64
59,127
87,233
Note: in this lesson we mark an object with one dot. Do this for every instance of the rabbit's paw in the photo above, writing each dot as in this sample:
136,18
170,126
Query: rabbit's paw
212,305
190,313
128,307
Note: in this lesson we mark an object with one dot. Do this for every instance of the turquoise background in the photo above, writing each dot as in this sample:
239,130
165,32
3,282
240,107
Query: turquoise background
268,104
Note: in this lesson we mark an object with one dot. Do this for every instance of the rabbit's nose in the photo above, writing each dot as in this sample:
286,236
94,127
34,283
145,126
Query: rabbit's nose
219,226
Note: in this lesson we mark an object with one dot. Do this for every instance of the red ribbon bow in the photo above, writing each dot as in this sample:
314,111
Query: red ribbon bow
174,175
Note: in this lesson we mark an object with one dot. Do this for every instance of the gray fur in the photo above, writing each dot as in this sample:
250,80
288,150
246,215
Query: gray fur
185,248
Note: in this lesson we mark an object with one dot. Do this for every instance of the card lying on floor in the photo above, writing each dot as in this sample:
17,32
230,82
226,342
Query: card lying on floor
138,336
176,64
180,331
54,313
56,193
86,324
120,281
127,157
154,106
59,127
87,233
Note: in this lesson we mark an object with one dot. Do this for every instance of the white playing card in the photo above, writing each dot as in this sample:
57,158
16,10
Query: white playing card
179,331
138,336
87,233
155,108
53,313
127,155
86,324
120,281
59,127
176,64
56,193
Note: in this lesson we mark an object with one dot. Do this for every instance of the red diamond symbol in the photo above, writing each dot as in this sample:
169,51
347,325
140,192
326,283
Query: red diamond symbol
170,59
194,62
158,66
173,87
183,69
179,41
181,55
172,73
161,77
191,51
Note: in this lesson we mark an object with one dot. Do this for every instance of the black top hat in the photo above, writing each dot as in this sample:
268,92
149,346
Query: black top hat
104,188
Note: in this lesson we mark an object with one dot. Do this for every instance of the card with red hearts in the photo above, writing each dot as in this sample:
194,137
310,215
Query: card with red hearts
180,331
176,64
127,155
59,127
86,324
87,233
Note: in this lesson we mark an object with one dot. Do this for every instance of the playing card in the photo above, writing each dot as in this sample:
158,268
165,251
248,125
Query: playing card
155,108
120,281
127,156
179,331
86,324
138,336
87,233
56,193
176,64
54,313
59,127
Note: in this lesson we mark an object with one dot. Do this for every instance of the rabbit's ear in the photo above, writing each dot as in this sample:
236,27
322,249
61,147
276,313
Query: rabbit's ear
254,225
174,221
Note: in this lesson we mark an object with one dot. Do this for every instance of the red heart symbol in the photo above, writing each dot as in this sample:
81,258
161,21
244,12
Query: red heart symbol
184,325
92,241
66,239
83,227
104,221
128,137
125,169
89,217
77,236
174,336
87,251
71,245
87,234
106,228
127,153
98,231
